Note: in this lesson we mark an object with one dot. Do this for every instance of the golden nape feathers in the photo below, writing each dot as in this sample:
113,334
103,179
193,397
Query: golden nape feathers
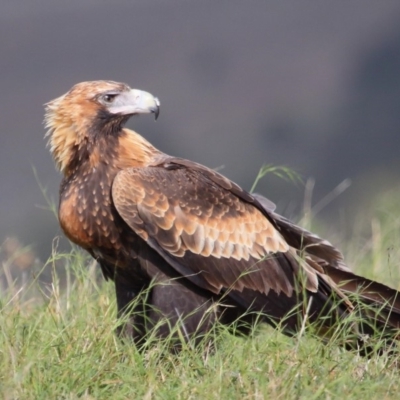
192,237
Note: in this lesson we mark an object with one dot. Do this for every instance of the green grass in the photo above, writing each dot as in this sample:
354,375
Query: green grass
66,348
57,341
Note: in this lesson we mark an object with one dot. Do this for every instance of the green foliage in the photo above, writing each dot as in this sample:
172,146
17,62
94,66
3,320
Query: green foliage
374,245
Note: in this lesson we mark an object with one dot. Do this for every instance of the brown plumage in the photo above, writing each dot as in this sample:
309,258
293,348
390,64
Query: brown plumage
206,243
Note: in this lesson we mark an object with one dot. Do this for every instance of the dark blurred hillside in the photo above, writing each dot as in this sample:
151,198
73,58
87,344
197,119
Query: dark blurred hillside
311,85
367,135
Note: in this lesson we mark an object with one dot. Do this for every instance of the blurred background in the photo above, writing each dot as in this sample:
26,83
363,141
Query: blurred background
314,86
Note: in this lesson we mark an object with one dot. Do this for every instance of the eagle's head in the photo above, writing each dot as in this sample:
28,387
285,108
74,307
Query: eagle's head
89,111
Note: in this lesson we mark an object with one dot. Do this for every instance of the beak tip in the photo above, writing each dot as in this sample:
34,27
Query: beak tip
156,109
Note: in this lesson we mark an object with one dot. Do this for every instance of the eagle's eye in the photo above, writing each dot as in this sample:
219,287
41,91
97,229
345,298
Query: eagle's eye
109,97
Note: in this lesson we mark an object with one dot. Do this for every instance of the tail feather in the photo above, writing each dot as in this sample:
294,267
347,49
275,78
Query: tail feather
368,309
370,293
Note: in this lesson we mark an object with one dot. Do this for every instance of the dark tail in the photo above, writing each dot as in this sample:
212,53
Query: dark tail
362,314
381,303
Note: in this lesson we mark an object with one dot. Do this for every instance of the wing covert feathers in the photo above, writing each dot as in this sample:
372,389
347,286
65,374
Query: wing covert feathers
206,228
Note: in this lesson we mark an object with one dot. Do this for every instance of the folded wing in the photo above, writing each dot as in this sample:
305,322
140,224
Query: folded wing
208,229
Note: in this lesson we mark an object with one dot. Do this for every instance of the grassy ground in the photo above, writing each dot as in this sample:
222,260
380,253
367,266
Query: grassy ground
57,341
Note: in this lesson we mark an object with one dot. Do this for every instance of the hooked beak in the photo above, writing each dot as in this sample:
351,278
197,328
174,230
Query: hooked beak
135,102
